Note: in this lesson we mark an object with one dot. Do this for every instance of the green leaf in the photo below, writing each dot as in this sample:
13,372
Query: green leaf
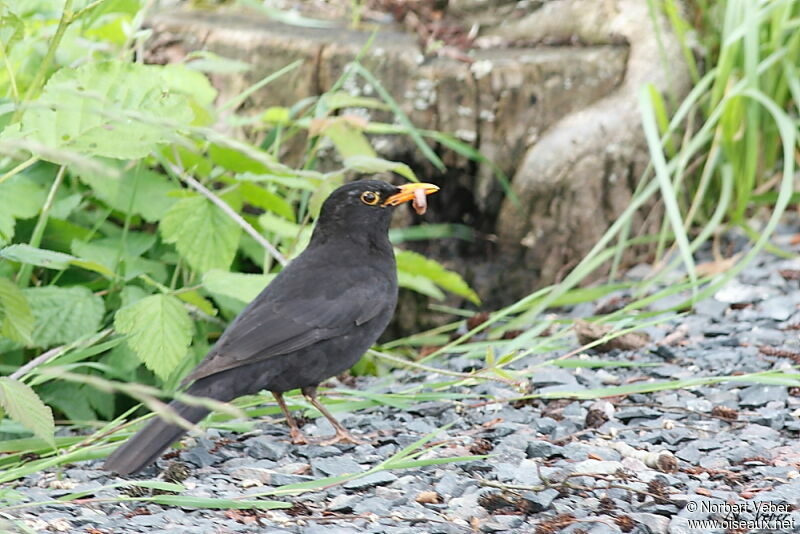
159,331
261,198
277,115
205,61
16,317
420,284
189,82
21,197
203,234
415,264
50,259
37,256
139,191
131,294
348,139
241,286
70,399
373,165
24,406
342,99
107,253
7,224
233,160
63,314
113,109
197,300
65,205
12,29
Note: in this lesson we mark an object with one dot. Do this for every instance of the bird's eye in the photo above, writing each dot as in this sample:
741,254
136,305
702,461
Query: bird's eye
369,198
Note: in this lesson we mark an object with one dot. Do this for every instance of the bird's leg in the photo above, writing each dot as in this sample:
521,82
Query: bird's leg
341,432
298,438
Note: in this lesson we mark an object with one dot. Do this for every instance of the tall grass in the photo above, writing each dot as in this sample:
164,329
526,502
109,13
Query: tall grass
724,159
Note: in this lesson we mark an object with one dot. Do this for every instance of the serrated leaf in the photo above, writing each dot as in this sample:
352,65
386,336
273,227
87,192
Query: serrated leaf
131,294
418,265
65,205
113,109
373,165
21,197
241,286
15,313
106,253
159,332
68,398
189,82
203,234
63,314
123,362
197,300
24,406
140,191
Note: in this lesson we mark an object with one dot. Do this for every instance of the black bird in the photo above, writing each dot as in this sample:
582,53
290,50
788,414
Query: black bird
315,320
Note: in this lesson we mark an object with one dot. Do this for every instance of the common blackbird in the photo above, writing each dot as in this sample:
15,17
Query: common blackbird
315,320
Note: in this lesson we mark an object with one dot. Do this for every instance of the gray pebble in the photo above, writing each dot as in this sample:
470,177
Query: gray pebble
335,466
266,447
759,395
540,500
542,449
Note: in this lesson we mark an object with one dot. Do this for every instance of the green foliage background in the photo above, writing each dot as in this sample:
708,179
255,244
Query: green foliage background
131,230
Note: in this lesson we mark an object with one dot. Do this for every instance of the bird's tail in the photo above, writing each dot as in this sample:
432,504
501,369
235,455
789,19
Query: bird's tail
147,444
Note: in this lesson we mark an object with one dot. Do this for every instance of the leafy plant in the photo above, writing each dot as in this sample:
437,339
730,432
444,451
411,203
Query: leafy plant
122,206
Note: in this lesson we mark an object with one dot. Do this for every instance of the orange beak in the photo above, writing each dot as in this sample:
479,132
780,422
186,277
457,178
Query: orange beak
413,191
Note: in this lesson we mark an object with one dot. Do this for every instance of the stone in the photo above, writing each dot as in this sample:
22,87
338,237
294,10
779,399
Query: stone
336,466
373,505
319,451
449,485
759,395
199,457
779,308
265,447
637,412
501,523
344,502
542,449
539,501
314,528
549,376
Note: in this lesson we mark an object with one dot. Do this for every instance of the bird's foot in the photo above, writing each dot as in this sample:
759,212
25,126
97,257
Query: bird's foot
298,438
342,436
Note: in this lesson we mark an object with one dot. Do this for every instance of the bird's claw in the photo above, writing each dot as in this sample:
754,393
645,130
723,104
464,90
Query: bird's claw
298,438
342,437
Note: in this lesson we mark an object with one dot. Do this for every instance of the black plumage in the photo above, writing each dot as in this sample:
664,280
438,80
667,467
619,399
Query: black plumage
315,320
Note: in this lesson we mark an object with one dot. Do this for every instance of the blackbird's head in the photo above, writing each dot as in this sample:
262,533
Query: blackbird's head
366,206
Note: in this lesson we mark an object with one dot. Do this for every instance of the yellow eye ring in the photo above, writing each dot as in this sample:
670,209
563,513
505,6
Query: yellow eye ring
370,198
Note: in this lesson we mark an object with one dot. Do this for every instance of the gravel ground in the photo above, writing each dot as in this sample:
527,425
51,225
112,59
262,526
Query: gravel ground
643,463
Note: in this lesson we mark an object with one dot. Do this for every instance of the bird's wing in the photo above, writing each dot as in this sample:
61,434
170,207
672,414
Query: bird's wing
299,311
